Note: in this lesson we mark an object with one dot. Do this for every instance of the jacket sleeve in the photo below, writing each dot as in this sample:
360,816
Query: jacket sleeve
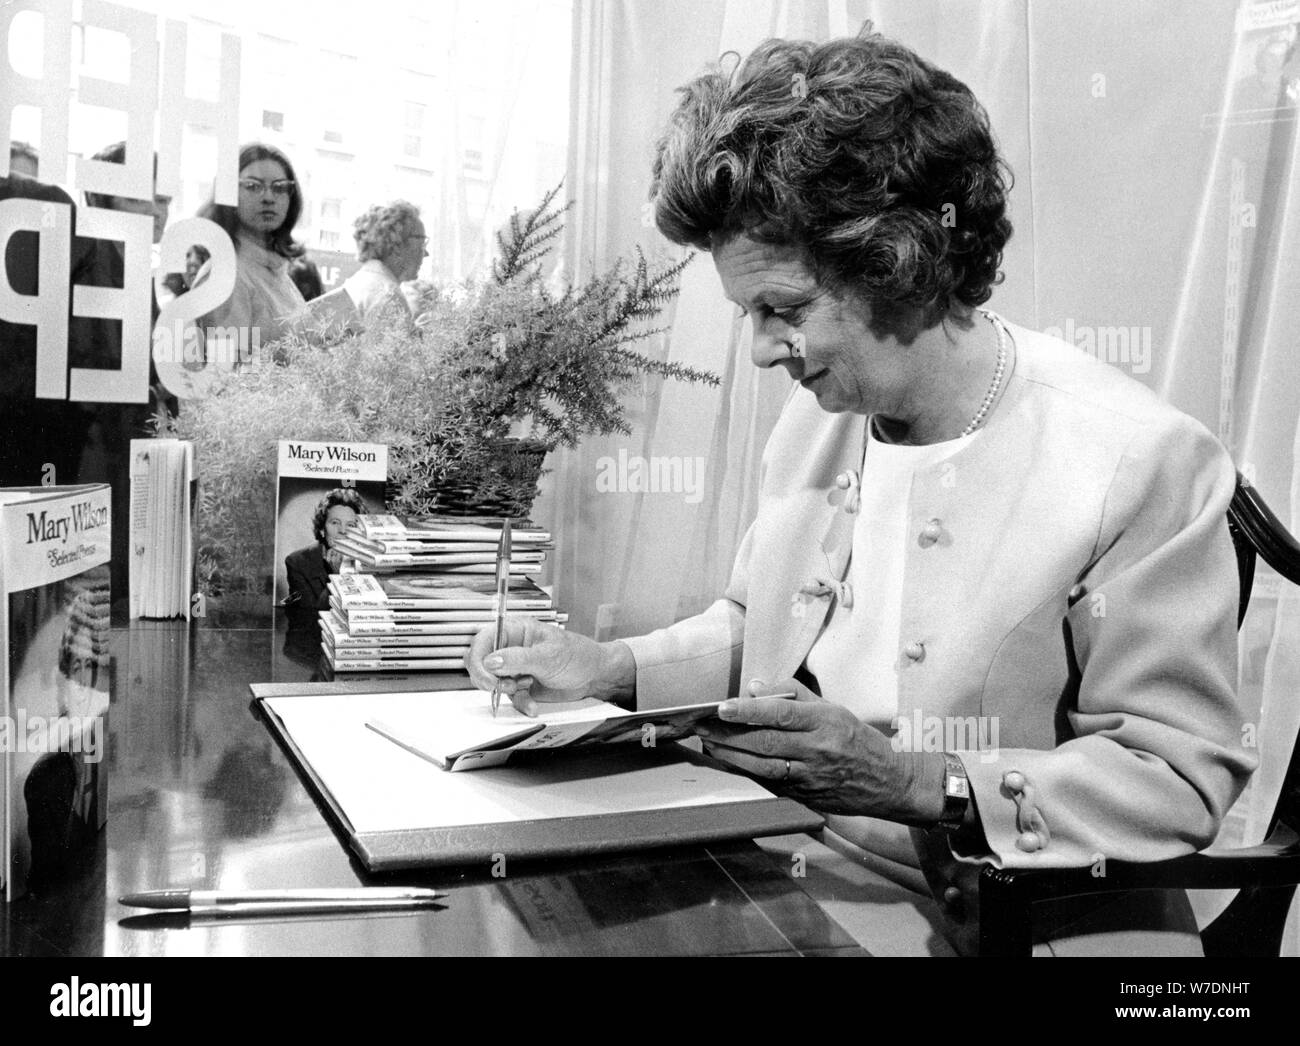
1154,746
697,659
306,587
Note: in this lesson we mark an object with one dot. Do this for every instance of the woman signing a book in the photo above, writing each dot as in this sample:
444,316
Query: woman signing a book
995,571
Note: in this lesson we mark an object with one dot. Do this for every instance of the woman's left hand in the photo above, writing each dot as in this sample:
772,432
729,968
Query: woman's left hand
823,755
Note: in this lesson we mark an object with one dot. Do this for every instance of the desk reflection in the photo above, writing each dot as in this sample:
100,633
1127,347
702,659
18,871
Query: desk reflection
201,797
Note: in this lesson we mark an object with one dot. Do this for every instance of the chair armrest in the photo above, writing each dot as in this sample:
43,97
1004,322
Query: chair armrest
1006,895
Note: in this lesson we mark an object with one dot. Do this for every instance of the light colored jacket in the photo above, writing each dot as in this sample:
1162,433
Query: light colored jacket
1081,594
264,300
374,287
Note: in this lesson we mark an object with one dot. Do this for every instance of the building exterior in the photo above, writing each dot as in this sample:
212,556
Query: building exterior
460,106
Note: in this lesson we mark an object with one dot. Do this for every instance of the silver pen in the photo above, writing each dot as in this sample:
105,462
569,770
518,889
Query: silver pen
503,590
268,902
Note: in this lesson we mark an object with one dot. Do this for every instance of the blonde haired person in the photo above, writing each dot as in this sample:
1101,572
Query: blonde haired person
391,245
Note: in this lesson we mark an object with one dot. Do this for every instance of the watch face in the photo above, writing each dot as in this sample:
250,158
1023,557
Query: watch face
957,786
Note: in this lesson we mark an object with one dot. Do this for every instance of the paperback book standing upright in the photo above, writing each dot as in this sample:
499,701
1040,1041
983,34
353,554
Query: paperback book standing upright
164,496
54,679
310,477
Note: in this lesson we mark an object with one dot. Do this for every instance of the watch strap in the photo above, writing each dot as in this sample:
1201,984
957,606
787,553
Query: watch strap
956,793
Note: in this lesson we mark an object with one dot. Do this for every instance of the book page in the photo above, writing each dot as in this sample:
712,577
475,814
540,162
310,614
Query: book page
455,721
381,787
138,525
445,729
190,494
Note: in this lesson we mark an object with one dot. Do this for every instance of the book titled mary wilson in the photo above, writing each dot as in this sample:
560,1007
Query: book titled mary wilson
54,673
433,592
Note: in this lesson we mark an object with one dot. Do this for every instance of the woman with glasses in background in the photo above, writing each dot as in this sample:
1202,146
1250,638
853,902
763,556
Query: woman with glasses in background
265,300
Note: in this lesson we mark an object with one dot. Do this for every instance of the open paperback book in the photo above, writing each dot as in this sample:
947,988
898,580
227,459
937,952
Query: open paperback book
164,497
457,731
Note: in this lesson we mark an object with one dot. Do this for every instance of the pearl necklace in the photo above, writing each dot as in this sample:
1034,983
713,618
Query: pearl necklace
998,374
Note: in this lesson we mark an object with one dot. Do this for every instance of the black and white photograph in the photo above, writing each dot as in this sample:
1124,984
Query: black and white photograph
907,388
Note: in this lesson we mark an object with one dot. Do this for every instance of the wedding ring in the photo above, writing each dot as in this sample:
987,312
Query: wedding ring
787,771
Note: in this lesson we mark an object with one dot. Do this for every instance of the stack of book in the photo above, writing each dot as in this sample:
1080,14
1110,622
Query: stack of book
422,589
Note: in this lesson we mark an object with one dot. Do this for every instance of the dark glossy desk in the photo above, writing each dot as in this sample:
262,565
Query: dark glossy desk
200,796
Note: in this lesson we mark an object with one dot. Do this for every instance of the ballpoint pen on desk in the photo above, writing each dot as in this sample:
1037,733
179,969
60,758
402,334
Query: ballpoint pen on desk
503,589
284,902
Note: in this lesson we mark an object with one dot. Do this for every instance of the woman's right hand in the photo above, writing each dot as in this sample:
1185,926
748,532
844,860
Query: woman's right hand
542,663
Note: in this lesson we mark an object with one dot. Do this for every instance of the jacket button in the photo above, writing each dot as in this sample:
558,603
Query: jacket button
843,481
1029,842
1075,594
914,651
1014,781
955,904
931,533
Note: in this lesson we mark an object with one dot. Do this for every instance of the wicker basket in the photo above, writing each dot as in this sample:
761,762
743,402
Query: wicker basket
506,490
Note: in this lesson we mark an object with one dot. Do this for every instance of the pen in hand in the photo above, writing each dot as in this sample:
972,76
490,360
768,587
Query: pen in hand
503,588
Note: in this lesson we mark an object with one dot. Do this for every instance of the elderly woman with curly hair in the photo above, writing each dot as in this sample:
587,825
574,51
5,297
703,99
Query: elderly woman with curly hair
309,568
391,245
995,572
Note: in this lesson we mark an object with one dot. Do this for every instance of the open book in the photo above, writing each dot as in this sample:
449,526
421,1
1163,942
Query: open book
456,729
398,810
164,496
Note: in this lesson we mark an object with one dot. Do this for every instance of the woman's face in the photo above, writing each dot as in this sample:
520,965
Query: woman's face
845,365
193,263
337,520
410,256
261,209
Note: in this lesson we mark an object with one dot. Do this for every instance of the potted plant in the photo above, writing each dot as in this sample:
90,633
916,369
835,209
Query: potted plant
446,393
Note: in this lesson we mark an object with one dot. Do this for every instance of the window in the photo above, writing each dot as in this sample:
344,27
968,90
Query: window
473,143
272,121
331,209
413,124
337,76
329,240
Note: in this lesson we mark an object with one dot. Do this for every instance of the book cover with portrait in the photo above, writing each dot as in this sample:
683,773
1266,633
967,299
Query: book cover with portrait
321,489
55,599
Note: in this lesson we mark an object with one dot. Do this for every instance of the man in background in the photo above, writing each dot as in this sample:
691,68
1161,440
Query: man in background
41,439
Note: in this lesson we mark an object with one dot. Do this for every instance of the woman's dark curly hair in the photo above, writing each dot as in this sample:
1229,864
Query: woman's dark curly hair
345,496
879,165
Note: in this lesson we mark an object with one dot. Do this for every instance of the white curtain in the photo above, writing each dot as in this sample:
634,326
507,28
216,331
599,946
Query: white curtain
1156,222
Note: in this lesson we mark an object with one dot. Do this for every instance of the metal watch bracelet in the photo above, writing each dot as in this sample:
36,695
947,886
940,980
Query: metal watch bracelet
956,794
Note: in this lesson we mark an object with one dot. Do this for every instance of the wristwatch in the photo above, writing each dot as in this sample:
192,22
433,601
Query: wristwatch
956,794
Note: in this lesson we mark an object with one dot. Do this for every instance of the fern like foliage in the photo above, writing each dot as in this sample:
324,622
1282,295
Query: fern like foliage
478,361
